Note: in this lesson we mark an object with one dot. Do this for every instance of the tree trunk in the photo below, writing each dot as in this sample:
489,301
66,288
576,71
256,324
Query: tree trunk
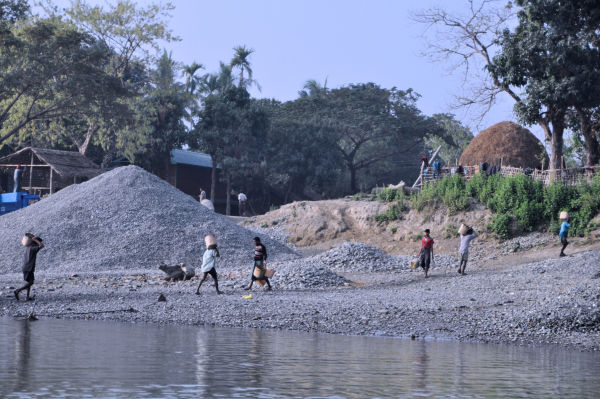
590,141
352,179
88,137
213,181
228,203
558,127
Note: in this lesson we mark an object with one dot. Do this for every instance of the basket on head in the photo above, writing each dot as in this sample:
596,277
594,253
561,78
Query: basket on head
26,241
564,215
210,240
463,229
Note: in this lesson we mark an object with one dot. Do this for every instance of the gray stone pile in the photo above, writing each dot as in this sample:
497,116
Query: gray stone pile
304,273
359,257
124,219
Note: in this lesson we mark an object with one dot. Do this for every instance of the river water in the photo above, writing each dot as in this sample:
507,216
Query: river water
93,359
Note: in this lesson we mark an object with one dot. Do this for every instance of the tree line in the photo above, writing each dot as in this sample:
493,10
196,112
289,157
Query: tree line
94,79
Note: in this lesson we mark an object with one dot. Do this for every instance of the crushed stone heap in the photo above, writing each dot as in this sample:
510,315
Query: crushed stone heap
125,219
359,257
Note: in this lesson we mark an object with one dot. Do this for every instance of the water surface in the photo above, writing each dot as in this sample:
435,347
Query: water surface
93,359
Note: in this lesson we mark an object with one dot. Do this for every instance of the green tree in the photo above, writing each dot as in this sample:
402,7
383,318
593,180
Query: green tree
240,61
51,71
133,33
158,125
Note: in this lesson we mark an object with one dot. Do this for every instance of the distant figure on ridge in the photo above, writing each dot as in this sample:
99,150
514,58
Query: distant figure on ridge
17,179
426,254
564,231
436,168
32,246
208,262
260,265
467,234
242,199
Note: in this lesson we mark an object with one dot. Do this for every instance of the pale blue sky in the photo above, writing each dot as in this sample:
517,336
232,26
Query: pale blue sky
343,41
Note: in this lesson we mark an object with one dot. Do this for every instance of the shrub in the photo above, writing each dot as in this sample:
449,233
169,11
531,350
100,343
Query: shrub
393,229
500,225
394,212
390,195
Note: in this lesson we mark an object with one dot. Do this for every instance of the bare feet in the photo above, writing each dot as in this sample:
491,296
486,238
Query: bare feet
30,298
198,292
562,254
269,288
16,292
219,292
247,288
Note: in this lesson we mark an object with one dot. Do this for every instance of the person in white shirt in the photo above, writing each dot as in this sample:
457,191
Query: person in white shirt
242,199
465,241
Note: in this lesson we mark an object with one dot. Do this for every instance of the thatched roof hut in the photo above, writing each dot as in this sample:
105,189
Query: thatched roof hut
50,170
508,144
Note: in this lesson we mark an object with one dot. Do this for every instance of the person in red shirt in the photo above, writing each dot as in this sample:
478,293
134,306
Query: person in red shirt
426,254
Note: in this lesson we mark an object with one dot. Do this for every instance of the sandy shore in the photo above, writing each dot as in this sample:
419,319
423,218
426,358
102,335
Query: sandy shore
555,301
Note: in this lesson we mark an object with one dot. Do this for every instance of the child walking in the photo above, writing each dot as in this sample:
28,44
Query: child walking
208,262
32,246
564,233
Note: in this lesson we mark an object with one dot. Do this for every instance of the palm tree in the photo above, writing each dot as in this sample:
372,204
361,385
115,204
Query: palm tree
192,81
312,88
240,60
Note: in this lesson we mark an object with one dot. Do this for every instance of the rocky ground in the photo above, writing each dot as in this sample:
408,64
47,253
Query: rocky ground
553,301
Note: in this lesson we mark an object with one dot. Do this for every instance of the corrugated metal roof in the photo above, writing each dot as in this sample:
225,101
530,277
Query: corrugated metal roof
191,158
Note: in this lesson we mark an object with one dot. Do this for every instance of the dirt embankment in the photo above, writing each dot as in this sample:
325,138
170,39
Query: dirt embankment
316,226
325,224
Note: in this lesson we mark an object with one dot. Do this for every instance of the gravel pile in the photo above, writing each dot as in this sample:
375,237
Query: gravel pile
304,273
124,219
359,257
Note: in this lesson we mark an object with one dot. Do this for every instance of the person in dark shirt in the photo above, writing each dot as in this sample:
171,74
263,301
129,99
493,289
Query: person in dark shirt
260,263
32,246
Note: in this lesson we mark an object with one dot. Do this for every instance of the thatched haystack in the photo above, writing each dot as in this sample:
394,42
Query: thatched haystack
506,143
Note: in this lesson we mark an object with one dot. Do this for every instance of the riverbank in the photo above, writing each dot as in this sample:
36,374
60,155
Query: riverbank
552,301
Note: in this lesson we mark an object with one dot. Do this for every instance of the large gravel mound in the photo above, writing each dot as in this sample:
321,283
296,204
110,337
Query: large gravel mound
124,219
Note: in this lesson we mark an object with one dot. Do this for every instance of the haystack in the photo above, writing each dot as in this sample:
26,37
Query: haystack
506,143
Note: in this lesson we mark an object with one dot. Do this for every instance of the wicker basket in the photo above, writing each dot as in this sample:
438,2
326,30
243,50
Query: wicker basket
564,215
463,229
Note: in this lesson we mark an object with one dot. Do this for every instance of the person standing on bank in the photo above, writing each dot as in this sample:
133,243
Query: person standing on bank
467,234
426,254
32,246
17,179
202,195
242,199
260,263
563,234
209,260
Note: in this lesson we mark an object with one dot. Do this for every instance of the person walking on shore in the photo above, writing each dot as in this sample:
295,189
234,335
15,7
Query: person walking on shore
426,254
208,262
260,264
563,234
467,234
32,246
